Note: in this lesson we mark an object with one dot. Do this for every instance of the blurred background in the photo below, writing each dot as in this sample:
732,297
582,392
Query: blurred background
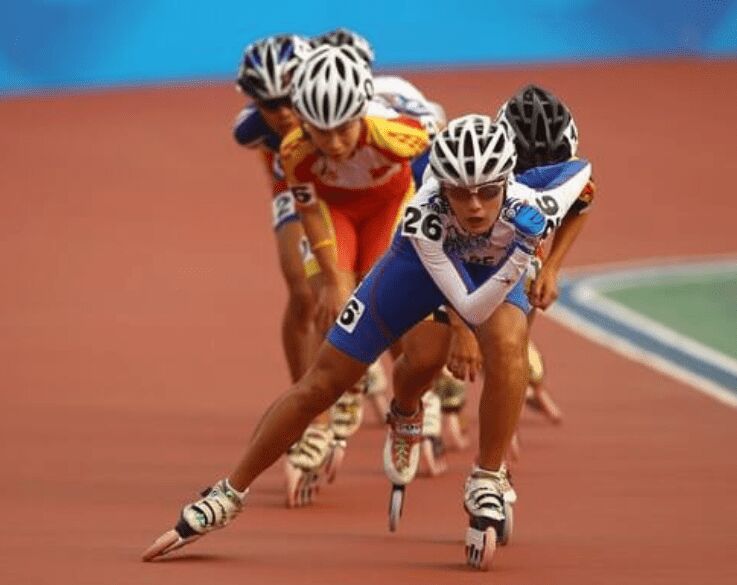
141,296
47,44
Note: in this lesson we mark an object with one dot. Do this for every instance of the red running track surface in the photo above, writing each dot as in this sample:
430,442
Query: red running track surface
139,306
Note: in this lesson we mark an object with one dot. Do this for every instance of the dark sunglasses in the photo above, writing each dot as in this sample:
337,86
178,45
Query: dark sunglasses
276,103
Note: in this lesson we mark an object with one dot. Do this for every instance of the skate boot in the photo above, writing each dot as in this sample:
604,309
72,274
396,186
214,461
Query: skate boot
452,393
487,511
215,509
513,452
375,384
345,419
346,414
401,457
510,495
537,396
304,461
539,399
433,450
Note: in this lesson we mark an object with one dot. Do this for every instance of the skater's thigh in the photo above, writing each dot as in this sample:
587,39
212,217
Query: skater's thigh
394,296
426,345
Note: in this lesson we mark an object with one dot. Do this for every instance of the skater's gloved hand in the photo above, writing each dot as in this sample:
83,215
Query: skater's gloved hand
464,356
529,225
544,289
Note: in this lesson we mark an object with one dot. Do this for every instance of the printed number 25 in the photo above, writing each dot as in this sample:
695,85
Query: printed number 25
431,226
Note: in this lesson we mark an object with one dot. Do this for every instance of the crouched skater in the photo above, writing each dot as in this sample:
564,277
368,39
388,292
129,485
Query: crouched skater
466,240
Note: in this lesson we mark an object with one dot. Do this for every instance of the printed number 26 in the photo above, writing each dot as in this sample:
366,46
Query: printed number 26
430,226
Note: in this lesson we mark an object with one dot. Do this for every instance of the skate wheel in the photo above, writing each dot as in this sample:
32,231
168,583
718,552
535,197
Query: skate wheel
334,462
308,488
548,407
396,504
293,479
508,524
165,543
458,439
480,548
435,465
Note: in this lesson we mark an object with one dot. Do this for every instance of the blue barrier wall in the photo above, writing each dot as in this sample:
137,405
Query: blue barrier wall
72,43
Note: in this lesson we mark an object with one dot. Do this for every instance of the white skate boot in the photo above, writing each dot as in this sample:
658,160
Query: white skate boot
452,393
401,457
304,461
433,450
487,511
510,495
537,397
215,509
375,384
346,416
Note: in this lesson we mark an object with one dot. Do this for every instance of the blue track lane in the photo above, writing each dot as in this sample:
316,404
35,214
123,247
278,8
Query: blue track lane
615,327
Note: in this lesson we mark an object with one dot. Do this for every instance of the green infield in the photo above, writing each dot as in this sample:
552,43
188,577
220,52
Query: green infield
700,306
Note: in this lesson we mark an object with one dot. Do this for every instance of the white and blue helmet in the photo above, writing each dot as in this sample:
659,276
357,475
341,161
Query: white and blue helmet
268,66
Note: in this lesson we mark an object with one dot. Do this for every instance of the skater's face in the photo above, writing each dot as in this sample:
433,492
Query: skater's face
336,143
476,208
279,115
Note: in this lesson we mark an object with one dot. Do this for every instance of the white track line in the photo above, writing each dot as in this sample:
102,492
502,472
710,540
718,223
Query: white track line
636,353
591,298
587,289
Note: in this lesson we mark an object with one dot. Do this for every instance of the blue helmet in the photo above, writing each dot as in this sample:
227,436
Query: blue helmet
268,66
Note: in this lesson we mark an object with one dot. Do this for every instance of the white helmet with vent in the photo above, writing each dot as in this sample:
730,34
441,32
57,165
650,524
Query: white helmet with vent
332,86
472,151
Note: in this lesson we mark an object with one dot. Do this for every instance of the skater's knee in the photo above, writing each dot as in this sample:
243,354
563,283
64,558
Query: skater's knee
511,344
505,338
505,347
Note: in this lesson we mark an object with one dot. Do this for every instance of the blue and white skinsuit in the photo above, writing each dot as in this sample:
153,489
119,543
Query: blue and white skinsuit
433,261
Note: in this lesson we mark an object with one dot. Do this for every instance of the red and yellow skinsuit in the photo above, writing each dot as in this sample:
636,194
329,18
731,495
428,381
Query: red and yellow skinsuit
360,198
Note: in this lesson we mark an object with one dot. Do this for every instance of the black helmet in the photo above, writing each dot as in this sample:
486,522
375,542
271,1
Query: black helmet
543,128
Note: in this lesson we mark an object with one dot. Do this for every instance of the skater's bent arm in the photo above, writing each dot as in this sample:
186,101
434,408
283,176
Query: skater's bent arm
564,238
474,305
321,240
